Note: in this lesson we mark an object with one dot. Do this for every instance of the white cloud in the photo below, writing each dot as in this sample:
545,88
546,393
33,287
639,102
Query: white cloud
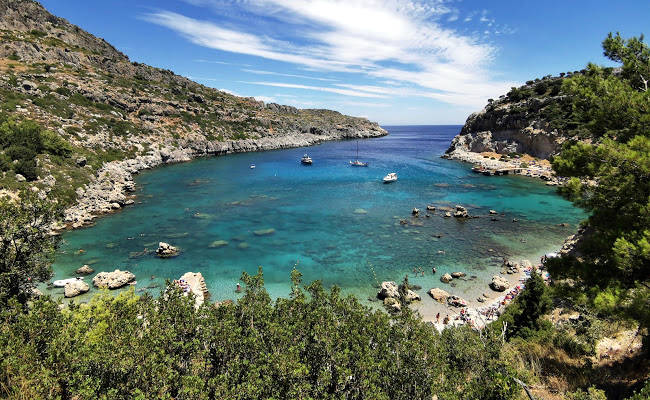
345,92
266,99
362,37
261,72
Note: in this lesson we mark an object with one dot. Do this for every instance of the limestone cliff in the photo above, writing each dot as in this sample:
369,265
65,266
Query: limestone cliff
526,120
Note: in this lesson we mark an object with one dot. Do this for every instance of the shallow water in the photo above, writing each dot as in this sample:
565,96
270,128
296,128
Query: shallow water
336,223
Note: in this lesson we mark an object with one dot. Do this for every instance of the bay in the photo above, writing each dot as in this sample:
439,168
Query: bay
335,223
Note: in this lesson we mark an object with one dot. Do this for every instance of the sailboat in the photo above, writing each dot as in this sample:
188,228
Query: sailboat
356,162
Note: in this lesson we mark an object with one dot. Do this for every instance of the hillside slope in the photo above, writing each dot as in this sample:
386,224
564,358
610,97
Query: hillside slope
107,109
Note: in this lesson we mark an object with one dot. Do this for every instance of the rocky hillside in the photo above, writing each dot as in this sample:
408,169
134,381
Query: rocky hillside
111,117
530,120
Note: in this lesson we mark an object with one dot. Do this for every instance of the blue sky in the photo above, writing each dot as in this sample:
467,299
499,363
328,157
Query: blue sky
393,61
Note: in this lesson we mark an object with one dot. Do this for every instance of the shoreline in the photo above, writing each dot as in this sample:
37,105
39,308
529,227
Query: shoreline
524,165
113,185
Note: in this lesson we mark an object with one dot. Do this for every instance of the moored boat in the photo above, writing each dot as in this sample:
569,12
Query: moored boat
306,160
62,282
356,162
391,177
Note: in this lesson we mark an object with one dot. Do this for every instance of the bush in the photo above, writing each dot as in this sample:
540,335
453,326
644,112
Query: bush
64,91
26,168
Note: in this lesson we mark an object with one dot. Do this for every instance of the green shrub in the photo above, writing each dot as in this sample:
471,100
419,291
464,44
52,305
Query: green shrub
64,91
26,168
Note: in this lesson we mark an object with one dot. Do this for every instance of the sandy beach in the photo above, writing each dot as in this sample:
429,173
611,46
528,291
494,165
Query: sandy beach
428,308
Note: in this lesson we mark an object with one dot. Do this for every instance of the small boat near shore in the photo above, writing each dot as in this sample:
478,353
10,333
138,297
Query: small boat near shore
63,282
390,178
252,166
306,160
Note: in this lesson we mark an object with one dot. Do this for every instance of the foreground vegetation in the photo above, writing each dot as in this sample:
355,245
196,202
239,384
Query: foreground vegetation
317,344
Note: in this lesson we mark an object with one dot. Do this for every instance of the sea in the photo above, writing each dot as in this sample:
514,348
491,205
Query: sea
333,222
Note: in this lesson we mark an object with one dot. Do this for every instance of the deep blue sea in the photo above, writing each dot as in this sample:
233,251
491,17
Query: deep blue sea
334,222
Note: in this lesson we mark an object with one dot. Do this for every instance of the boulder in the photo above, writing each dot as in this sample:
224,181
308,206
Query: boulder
85,270
456,301
461,212
392,304
195,285
458,274
447,214
411,296
438,295
166,250
388,289
81,161
113,280
499,284
431,208
75,288
415,211
492,212
20,178
446,278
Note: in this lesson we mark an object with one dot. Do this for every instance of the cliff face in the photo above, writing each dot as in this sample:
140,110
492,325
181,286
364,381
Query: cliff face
524,121
109,109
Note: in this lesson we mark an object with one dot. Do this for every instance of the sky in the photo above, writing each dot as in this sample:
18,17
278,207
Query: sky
396,62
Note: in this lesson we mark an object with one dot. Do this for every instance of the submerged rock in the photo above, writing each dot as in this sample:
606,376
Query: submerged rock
218,243
360,211
264,232
461,212
113,280
75,288
446,278
458,274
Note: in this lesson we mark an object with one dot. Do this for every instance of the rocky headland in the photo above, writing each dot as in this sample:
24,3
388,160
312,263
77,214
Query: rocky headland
519,131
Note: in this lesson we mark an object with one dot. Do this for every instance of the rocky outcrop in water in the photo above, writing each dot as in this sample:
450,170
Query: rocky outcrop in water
75,288
113,280
196,285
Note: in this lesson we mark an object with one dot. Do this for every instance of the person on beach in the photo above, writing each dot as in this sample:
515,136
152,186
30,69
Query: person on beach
446,320
238,290
433,270
438,318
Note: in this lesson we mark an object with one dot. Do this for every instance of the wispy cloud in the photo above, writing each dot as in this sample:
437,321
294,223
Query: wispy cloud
366,38
345,92
261,72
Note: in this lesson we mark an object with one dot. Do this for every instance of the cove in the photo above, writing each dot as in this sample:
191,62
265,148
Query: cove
333,222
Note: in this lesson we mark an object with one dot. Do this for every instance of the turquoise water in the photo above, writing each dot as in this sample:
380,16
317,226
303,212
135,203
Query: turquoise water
336,223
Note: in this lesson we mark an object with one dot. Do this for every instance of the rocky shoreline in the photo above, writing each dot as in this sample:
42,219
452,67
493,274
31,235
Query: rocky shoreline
492,163
113,185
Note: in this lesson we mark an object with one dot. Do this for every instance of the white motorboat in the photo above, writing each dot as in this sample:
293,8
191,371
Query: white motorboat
252,166
306,160
62,282
390,178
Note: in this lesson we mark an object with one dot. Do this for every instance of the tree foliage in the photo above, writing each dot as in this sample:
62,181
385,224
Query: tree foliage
610,176
26,247
313,345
